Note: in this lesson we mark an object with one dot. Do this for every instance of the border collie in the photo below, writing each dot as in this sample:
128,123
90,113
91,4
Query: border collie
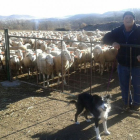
97,106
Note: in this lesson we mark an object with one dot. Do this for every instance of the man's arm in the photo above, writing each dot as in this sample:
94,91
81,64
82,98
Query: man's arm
138,57
108,38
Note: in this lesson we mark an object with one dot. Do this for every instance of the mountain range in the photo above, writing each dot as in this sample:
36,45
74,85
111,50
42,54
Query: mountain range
69,17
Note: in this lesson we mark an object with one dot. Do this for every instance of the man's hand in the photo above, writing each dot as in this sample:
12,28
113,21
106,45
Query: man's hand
138,57
116,45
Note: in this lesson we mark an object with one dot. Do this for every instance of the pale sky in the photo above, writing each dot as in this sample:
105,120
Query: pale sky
60,8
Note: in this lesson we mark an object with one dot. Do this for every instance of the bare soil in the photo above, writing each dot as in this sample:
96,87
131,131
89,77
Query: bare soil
29,112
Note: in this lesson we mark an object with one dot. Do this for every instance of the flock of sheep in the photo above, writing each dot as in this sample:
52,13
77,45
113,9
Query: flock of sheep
60,52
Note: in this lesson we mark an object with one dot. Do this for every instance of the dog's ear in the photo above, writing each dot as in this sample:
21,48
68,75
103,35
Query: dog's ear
107,96
93,100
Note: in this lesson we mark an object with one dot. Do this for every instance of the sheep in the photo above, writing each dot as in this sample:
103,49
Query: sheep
84,56
29,62
82,46
43,46
25,46
15,43
103,55
71,48
73,38
61,63
15,64
19,53
1,59
53,46
26,52
45,66
38,51
54,53
62,46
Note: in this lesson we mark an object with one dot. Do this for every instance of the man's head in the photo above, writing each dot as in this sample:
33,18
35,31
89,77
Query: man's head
128,19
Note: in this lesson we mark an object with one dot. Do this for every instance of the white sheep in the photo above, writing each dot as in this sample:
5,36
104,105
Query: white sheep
15,64
45,66
84,56
61,63
29,62
103,55
82,46
19,53
43,46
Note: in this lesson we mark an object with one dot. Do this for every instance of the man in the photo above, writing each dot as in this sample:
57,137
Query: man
128,33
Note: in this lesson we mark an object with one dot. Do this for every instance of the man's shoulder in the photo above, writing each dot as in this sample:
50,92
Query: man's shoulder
138,26
118,28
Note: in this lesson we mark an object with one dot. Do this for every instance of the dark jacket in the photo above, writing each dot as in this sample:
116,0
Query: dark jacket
118,35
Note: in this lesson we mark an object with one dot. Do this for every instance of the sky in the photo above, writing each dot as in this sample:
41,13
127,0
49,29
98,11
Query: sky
61,8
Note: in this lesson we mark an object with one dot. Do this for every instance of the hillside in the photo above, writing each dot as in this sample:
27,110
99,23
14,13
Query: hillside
92,21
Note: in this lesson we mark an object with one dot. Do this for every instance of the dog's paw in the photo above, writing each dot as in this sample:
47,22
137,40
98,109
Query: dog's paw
107,133
88,120
98,138
77,122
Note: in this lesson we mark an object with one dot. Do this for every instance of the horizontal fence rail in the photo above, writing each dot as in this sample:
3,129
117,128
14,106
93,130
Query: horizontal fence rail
77,80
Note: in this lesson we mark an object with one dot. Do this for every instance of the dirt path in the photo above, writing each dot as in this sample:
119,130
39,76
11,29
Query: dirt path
28,112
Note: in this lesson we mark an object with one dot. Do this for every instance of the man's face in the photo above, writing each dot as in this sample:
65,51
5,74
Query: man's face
128,21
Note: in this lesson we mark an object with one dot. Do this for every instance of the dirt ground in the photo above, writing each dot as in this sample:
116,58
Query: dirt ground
28,112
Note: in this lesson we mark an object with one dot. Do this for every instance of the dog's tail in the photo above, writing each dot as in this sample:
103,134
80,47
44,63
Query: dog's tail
72,102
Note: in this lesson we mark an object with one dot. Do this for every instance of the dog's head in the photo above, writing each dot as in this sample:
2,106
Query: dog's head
103,103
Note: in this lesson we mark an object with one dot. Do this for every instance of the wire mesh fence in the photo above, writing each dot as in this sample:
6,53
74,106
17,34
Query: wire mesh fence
82,73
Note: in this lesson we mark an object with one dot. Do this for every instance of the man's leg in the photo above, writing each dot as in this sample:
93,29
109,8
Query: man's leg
136,85
124,74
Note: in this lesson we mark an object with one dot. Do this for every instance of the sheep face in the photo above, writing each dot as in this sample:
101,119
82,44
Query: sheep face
97,50
49,59
78,53
66,55
32,57
19,53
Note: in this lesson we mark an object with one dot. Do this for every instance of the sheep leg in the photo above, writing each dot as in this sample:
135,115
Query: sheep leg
107,66
48,81
39,75
64,80
85,67
52,76
43,80
93,66
58,81
80,66
33,69
17,71
28,73
99,68
21,72
102,69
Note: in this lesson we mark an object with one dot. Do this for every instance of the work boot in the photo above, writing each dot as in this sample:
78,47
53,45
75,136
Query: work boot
135,107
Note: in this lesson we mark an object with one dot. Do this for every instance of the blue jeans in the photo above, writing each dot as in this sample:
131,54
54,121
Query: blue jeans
124,75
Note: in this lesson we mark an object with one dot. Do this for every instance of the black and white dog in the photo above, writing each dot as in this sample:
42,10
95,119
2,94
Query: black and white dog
97,106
